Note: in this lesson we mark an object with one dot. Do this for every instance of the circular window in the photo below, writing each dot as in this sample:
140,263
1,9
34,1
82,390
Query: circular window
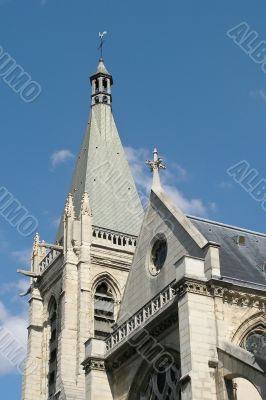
256,343
158,254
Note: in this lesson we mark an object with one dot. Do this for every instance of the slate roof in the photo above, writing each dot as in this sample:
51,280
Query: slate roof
103,172
243,263
101,69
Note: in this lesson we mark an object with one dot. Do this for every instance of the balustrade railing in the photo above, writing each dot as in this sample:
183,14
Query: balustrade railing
143,315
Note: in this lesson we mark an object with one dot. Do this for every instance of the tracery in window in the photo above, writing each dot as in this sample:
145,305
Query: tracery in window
255,342
103,310
163,384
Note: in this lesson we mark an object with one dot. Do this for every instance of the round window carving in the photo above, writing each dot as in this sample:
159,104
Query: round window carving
158,254
255,342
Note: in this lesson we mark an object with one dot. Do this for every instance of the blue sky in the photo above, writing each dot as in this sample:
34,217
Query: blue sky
180,83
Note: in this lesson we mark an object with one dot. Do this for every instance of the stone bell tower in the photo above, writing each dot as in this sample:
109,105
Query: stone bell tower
78,282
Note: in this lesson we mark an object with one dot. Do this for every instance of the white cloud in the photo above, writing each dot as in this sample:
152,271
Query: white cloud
23,256
60,157
259,94
55,222
13,340
21,286
143,179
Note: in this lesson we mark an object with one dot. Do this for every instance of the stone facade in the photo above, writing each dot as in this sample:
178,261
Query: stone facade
126,306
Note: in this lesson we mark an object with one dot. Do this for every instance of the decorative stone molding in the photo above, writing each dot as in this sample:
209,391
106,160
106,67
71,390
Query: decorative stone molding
69,207
85,205
141,317
230,296
116,239
179,289
190,286
94,363
254,321
244,299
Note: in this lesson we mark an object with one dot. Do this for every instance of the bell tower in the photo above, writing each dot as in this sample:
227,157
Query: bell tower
101,83
78,281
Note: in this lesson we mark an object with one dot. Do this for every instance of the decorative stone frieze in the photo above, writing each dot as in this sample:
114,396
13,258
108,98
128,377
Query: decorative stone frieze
94,363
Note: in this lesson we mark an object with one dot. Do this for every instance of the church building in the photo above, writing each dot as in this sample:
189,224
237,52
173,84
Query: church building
134,304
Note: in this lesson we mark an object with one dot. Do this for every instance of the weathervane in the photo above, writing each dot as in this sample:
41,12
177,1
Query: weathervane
101,36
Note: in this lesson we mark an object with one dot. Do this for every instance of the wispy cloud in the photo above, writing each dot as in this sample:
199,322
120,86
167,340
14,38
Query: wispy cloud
60,157
225,185
23,256
259,94
55,222
175,173
21,286
13,340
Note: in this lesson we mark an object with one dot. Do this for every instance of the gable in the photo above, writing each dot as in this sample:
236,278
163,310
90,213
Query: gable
141,285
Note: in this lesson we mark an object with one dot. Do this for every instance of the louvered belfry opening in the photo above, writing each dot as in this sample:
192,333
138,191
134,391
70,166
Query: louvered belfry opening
103,310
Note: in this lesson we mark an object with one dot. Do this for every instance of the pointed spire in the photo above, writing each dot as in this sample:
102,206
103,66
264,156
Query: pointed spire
155,167
38,253
85,205
102,169
36,244
101,69
69,208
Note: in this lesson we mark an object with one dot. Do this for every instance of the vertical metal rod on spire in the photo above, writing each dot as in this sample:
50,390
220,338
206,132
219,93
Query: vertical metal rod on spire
101,36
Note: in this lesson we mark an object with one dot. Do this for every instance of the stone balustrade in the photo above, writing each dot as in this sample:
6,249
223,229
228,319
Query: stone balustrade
104,236
141,317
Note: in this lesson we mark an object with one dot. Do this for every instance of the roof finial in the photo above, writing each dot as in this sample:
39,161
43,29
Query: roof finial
69,207
155,167
101,36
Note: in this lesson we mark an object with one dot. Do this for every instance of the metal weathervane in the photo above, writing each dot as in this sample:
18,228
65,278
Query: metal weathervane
101,36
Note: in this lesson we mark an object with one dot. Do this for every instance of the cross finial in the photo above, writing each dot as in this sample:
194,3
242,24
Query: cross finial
155,167
101,36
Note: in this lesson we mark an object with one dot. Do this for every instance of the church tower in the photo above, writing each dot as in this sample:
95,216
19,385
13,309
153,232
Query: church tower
77,284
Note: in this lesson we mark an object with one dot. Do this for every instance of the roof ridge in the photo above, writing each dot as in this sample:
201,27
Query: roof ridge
192,217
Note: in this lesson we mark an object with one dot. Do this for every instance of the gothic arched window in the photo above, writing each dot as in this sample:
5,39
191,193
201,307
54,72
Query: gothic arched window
105,85
103,310
96,86
162,383
53,343
255,341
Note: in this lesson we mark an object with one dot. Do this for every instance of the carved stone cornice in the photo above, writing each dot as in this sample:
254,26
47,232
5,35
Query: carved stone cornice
192,286
243,299
212,289
94,363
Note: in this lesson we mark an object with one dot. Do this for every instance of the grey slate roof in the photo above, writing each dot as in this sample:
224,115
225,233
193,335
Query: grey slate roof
101,69
103,172
238,262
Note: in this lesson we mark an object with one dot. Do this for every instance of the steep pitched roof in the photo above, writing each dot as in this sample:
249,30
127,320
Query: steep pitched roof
186,235
243,263
101,69
103,172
